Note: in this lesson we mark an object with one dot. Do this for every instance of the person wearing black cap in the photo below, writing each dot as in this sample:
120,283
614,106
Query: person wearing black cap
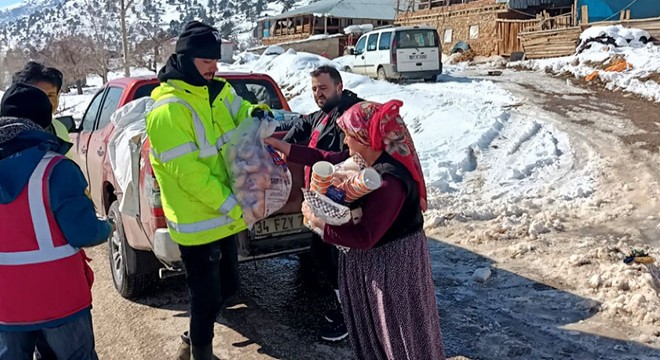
50,80
192,118
26,101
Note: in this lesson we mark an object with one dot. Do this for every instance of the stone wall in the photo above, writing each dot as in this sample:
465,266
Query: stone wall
474,23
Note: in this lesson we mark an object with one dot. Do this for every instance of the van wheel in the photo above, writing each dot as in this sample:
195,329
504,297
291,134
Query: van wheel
381,74
431,79
120,254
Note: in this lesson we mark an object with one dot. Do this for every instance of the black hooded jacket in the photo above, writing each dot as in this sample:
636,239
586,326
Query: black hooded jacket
181,67
332,137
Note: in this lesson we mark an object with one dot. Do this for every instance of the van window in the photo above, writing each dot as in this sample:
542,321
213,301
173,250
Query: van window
359,47
372,42
417,38
384,43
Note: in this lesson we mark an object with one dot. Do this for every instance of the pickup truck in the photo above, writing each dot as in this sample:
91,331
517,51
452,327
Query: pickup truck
140,250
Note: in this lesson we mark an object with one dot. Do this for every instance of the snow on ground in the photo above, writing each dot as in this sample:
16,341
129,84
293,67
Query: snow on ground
510,177
644,76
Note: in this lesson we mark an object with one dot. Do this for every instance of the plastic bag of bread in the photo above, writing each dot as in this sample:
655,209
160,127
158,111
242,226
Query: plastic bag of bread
259,176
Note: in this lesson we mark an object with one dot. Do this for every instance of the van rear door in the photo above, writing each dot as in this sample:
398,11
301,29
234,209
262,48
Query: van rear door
417,50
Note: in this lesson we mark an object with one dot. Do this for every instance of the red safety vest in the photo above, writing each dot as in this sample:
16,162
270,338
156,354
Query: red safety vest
42,277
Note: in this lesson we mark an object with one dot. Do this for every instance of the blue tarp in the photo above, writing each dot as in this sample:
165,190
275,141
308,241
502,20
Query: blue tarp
604,10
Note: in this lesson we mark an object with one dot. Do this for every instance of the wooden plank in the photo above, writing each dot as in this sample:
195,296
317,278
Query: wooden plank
585,14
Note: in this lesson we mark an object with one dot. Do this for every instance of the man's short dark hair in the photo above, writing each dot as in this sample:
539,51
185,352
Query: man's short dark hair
34,72
331,71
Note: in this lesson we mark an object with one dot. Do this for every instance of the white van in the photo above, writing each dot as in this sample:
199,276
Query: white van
396,53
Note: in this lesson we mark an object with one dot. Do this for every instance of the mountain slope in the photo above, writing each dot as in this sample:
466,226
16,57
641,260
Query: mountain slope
38,22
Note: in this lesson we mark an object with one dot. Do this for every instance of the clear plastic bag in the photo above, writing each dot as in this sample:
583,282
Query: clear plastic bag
259,176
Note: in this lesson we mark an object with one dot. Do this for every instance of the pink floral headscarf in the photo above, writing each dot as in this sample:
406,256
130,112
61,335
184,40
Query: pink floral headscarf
380,127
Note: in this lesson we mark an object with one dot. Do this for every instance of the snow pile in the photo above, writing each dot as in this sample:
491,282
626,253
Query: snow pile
615,44
618,34
358,29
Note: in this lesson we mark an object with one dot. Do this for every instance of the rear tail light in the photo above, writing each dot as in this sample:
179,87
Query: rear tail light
152,191
395,44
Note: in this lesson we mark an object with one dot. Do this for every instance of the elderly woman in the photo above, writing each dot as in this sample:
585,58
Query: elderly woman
387,291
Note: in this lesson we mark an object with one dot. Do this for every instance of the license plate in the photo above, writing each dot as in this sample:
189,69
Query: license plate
417,57
279,225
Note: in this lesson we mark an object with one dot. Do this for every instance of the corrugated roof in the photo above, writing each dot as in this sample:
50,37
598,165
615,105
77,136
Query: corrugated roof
356,9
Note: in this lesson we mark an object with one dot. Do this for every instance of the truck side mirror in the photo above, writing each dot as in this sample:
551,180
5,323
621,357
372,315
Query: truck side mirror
351,51
68,122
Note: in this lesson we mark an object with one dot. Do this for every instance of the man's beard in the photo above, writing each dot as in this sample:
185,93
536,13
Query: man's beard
331,103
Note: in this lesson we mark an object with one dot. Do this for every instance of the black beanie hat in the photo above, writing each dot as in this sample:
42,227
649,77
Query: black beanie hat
199,40
26,101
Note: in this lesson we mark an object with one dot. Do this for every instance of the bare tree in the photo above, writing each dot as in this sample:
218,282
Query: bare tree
104,34
124,5
72,56
148,52
13,61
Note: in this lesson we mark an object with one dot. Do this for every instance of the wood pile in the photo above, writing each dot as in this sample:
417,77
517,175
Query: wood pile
550,43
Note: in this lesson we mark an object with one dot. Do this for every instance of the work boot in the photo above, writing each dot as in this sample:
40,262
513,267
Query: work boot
202,352
184,348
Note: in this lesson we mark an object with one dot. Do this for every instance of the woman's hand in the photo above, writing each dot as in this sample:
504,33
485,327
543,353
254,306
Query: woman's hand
278,145
313,221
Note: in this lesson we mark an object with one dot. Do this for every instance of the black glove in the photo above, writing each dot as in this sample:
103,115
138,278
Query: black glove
261,114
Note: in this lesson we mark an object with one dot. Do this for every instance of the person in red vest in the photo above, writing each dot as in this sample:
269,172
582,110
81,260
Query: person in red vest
45,218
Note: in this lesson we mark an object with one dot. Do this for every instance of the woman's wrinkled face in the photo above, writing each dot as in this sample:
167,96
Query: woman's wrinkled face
355,146
52,91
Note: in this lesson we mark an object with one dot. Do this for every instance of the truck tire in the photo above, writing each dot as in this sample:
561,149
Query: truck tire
120,253
381,74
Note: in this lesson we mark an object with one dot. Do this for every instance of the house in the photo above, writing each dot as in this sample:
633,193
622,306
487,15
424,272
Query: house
607,10
489,27
324,17
227,51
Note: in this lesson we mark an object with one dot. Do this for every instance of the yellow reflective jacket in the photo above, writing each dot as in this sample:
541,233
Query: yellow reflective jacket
187,136
62,133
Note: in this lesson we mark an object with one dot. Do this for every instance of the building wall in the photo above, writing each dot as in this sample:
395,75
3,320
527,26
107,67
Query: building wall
477,28
331,47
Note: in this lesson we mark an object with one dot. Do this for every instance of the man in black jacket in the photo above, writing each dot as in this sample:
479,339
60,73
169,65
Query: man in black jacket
320,130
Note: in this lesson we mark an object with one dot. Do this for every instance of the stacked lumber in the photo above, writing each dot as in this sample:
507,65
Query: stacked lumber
550,43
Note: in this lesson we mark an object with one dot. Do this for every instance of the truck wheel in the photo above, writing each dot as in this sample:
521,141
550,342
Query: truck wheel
120,253
381,74
348,69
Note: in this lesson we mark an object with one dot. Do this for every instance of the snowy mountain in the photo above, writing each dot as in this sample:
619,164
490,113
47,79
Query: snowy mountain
25,8
38,22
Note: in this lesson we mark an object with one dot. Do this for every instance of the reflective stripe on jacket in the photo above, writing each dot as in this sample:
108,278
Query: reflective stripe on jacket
187,135
42,277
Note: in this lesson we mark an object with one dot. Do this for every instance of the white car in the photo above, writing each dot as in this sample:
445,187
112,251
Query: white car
397,53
